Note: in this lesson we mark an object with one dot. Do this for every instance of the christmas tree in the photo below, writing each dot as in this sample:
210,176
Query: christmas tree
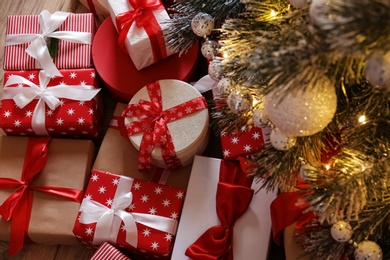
318,73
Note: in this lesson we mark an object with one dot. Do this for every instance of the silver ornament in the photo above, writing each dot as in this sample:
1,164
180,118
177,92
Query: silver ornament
202,24
341,231
299,3
280,141
377,70
368,250
302,112
223,87
239,102
215,70
259,117
209,49
308,172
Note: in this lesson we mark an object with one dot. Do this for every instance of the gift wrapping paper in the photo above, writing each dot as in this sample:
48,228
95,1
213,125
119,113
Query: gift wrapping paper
117,148
68,166
71,55
98,7
73,117
251,232
144,214
173,106
106,251
247,141
138,42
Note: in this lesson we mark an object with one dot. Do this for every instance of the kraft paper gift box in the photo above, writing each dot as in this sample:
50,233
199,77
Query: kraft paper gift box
52,218
139,216
117,154
106,251
142,38
167,122
35,105
251,232
26,49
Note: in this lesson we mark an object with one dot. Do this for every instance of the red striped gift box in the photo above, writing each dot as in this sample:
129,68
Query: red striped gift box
106,251
70,55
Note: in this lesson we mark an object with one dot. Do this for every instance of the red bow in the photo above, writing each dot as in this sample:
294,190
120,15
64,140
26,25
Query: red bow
152,120
232,201
17,207
142,15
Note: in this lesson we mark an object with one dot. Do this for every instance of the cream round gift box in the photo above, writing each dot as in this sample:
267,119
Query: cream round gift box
189,133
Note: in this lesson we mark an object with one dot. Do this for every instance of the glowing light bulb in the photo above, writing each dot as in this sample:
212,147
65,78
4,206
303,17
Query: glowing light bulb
327,167
273,13
362,119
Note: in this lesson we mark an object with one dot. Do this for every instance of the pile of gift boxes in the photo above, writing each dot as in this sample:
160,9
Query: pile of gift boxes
141,188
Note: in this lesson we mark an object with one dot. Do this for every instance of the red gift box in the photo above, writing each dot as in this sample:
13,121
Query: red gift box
247,141
106,251
138,215
68,107
120,75
23,34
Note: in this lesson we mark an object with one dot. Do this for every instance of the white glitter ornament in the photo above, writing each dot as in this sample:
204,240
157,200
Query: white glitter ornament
209,49
341,231
302,113
259,117
368,250
377,70
280,141
214,70
308,172
239,102
223,87
299,3
202,24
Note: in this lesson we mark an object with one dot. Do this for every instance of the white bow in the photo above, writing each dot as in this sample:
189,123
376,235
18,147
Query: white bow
38,49
49,95
108,220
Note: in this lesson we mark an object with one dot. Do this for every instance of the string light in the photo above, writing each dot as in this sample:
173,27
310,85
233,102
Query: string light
362,119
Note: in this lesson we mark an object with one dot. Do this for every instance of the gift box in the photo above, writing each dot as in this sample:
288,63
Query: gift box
247,141
35,105
25,49
137,215
140,25
98,7
106,251
167,122
251,231
44,210
117,148
119,74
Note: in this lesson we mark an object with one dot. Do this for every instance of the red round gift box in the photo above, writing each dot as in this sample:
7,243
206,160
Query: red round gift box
118,72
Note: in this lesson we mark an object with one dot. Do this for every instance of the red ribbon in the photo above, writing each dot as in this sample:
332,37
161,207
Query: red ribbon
232,200
142,15
152,121
17,207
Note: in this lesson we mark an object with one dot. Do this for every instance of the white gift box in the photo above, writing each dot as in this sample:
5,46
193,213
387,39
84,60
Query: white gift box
137,41
252,231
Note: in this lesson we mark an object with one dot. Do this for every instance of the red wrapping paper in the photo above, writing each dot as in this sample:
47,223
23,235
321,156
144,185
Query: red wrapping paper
70,55
72,118
150,198
245,142
106,251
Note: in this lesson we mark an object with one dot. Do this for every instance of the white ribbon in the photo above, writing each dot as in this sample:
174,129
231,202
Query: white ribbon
108,219
38,49
49,95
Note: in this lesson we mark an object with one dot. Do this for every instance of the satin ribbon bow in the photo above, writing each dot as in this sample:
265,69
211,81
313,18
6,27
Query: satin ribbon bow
17,207
45,95
153,121
142,15
108,220
232,201
37,48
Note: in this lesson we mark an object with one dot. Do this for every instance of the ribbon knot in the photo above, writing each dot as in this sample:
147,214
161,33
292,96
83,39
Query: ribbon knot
45,95
38,49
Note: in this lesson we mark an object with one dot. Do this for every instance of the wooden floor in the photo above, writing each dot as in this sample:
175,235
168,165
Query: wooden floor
17,7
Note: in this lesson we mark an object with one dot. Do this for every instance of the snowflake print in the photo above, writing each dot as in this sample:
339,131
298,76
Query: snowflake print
188,110
90,111
62,84
59,121
71,128
137,186
109,202
115,182
81,103
92,75
168,237
226,153
102,189
88,197
17,123
144,198
234,140
62,102
70,111
247,148
80,120
256,135
83,83
158,190
7,114
49,112
89,231
131,207
73,75
31,76
29,113
154,245
174,215
180,195
146,232
166,203
95,177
